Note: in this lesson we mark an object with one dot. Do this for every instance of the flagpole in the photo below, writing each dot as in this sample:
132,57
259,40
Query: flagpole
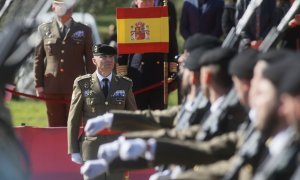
166,70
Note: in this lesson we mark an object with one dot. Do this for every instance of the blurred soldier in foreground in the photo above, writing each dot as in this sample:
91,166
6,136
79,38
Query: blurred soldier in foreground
95,94
64,53
14,163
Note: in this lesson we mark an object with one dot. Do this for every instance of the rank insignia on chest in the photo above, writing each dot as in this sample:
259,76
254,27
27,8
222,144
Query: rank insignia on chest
86,93
119,95
78,35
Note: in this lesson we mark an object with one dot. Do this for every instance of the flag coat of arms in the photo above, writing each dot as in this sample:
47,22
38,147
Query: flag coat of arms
142,30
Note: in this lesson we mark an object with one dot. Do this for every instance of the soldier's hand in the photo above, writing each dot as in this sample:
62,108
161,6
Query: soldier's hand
76,158
97,124
40,92
110,151
134,148
94,168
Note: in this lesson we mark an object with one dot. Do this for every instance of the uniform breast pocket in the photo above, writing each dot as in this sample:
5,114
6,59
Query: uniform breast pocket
50,46
78,43
119,102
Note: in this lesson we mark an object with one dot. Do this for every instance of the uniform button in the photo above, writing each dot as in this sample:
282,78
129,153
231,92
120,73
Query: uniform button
62,61
142,63
63,42
49,42
77,42
61,70
62,51
157,62
106,103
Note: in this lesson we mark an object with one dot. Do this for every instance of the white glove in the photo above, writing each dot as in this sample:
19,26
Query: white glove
132,149
76,158
166,174
94,168
94,125
135,148
110,151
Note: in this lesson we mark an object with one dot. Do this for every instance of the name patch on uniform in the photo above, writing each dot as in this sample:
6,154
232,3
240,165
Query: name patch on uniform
119,95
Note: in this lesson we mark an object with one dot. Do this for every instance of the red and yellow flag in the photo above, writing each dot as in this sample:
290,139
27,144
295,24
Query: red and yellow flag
142,30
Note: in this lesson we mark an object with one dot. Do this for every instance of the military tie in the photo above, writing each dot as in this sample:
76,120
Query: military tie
105,87
63,31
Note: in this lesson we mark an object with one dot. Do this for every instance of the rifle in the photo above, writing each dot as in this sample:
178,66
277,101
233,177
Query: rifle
17,34
283,165
247,154
188,115
274,34
235,32
211,125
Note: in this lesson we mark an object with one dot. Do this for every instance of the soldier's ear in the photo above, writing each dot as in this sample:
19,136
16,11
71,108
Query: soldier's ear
53,7
207,76
94,61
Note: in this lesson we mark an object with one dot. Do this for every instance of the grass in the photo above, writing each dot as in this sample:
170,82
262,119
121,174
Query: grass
30,112
33,113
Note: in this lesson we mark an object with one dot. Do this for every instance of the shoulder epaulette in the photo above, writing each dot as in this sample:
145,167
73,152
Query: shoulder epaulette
125,78
84,77
45,28
84,81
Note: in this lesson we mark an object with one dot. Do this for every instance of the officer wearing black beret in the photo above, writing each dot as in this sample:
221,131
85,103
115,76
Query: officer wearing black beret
94,95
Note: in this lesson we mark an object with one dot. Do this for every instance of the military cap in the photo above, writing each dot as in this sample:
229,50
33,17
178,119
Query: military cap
201,40
242,65
193,60
218,56
277,71
290,83
273,56
103,49
59,1
68,2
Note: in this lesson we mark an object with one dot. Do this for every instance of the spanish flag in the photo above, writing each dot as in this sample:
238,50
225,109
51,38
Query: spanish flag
142,30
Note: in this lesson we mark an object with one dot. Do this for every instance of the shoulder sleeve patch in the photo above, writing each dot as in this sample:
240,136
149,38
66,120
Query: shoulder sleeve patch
84,81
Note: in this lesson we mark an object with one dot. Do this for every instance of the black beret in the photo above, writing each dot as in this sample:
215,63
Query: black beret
273,56
291,81
277,71
218,56
193,60
201,40
103,49
242,65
